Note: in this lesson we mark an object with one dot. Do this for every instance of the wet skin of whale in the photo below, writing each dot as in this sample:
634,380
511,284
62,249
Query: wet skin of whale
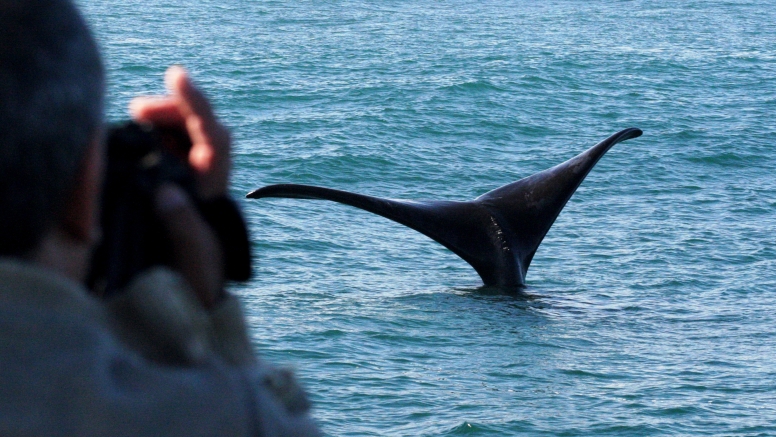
496,233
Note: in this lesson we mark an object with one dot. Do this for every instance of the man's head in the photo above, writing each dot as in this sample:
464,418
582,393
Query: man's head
51,102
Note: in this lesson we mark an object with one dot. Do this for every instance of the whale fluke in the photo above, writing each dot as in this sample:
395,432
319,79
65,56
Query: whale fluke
498,232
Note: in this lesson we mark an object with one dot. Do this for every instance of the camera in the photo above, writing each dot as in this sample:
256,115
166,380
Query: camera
141,158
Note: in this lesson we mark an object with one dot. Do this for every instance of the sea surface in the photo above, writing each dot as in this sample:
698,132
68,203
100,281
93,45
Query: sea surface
652,301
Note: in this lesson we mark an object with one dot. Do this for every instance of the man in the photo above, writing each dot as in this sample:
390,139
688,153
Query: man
170,354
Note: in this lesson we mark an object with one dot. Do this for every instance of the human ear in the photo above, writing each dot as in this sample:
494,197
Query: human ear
81,217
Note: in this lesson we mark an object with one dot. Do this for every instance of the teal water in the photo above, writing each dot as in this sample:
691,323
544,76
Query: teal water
653,294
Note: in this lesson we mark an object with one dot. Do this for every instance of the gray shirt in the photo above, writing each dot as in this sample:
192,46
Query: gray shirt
151,362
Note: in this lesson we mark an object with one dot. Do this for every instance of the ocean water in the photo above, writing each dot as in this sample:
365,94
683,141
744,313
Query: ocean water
651,309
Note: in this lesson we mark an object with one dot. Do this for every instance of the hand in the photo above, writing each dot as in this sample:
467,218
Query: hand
187,108
197,251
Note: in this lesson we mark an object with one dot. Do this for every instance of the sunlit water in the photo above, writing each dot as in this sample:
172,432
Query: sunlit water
653,294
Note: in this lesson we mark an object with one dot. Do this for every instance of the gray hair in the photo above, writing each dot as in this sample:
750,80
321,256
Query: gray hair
51,108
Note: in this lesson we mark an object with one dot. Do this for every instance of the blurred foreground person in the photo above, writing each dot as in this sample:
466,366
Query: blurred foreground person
167,356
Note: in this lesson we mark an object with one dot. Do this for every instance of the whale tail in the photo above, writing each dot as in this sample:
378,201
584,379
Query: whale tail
497,233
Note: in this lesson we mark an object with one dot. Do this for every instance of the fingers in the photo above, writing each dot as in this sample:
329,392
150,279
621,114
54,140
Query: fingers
193,102
161,111
210,140
196,249
188,108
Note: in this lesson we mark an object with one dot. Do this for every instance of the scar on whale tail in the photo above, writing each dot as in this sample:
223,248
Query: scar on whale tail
497,233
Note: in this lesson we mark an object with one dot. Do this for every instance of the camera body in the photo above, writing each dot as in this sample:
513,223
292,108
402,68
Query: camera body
141,158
